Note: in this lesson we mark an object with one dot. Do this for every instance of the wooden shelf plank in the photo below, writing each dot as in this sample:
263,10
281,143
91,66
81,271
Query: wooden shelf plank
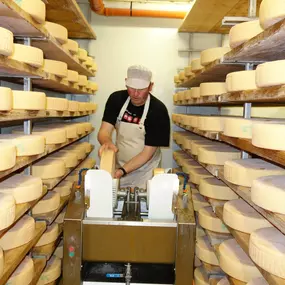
39,264
68,14
14,256
26,160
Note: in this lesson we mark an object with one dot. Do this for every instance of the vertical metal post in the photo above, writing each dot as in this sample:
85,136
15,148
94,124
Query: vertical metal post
252,8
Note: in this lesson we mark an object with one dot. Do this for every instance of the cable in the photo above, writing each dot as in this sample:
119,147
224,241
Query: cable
186,178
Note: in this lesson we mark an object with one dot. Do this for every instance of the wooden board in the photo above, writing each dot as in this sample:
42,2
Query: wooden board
68,14
27,160
39,265
14,256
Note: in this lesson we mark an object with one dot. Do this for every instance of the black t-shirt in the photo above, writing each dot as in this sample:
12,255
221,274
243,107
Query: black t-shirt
157,123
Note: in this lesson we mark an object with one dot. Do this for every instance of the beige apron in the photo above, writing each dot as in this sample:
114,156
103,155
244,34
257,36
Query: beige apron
130,142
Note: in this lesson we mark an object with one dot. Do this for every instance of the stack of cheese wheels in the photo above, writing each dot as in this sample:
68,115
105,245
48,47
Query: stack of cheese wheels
59,32
29,100
52,271
50,202
211,123
236,263
49,236
200,276
238,215
241,33
196,65
70,159
243,171
56,104
55,67
240,81
8,155
21,233
79,126
24,188
7,212
24,273
197,174
7,42
63,188
6,103
266,249
69,129
212,54
72,46
199,202
212,88
49,168
271,12
73,106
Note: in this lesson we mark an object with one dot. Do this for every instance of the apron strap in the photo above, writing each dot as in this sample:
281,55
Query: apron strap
124,108
145,111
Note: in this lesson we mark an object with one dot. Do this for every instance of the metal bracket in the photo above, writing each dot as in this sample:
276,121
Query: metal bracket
232,21
31,38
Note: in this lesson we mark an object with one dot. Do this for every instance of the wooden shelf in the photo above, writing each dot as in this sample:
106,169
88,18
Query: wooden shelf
68,14
39,264
14,256
26,160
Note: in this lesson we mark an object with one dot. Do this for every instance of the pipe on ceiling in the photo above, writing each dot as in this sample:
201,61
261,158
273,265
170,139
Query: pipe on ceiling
99,8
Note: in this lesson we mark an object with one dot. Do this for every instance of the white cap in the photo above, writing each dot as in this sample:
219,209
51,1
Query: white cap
139,77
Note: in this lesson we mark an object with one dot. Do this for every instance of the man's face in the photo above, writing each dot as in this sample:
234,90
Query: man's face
139,96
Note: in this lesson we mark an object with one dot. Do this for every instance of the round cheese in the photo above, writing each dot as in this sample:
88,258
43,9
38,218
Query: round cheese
200,276
7,42
257,281
6,97
240,81
93,86
212,54
243,171
188,94
270,73
205,251
190,164
199,202
224,281
238,127
182,76
59,251
271,12
240,216
73,106
196,65
211,123
64,188
208,220
8,156
80,153
29,100
52,271
197,174
94,67
84,145
196,144
243,32
179,153
212,88
59,32
70,130
72,46
21,233
82,80
26,145
35,8
24,273
82,106
88,126
57,104
24,188
275,185
49,168
195,92
7,214
50,202
30,55
89,61
49,236
58,68
216,189
266,249
82,54
70,159
236,263
72,76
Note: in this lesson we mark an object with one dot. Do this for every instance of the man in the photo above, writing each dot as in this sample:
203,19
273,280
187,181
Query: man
142,125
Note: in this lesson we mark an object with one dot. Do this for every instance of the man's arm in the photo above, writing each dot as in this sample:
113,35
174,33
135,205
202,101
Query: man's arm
105,137
136,162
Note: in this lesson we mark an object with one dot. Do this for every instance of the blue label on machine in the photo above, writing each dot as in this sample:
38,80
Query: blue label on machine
114,275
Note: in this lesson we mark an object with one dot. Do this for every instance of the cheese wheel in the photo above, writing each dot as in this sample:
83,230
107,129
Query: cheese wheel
194,121
224,281
8,156
195,92
35,8
179,153
190,164
275,185
216,189
212,88
70,130
208,220
72,76
73,106
212,54
50,202
243,32
7,215
196,65
52,271
236,263
82,54
266,249
24,188
7,42
57,104
64,188
85,145
29,100
59,251
200,276
205,251
82,106
240,216
6,97
94,66
89,61
217,155
80,153
49,168
271,12
180,95
211,123
197,174
59,32
88,126
199,202
257,281
26,145
240,81
80,128
238,127
21,233
24,273
72,46
30,55
70,160
93,85
267,135
55,67
82,80
243,171
49,236
182,76
196,144
188,94
270,73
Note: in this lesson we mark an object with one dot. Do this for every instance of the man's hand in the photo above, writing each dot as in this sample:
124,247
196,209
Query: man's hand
108,145
118,173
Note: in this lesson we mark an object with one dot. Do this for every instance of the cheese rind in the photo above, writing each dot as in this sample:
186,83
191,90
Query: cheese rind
70,159
197,174
57,31
7,213
73,106
50,202
240,81
195,92
205,251
211,123
58,68
72,46
29,100
212,88
49,236
6,98
64,188
7,42
199,202
240,216
72,76
212,54
49,168
82,54
200,276
238,127
8,156
52,271
56,104
196,144
196,65
82,80
36,8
